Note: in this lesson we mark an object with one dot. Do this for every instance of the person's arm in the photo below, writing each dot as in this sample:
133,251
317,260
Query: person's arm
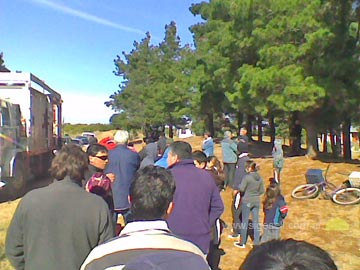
206,145
111,176
262,188
243,184
233,147
107,225
14,244
216,205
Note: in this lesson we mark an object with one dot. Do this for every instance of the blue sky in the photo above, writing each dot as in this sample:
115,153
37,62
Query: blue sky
71,44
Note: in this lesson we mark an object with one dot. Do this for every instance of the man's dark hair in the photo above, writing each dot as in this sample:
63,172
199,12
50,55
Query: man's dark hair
199,156
288,254
151,192
95,148
70,161
182,149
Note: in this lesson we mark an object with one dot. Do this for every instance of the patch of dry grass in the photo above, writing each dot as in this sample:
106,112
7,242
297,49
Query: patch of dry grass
6,212
333,227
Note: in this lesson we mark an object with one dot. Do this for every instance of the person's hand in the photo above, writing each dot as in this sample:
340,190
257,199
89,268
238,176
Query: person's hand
111,176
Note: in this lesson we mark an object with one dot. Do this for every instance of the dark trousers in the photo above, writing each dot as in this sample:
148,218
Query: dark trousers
214,255
236,212
229,170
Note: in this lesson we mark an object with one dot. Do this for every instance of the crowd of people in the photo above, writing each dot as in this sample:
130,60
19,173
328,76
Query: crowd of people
169,198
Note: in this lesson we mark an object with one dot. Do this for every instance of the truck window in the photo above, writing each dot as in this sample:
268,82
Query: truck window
5,116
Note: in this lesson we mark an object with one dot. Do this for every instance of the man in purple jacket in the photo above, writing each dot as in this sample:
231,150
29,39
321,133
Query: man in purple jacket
197,201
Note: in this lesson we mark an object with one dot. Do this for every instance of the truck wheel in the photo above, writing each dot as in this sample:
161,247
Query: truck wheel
17,184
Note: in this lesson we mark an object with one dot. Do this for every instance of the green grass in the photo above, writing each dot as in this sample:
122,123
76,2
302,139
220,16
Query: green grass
6,212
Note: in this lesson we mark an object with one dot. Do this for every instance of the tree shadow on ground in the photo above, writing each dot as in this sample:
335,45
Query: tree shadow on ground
263,150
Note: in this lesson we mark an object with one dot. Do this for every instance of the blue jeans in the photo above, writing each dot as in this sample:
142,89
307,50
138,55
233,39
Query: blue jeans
246,208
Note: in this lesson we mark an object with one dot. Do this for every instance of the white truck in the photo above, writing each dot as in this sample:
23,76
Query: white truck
30,128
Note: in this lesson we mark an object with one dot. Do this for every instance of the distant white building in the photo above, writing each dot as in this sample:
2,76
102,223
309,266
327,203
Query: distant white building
185,133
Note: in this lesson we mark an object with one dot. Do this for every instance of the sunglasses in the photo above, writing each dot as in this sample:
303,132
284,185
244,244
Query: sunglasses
102,157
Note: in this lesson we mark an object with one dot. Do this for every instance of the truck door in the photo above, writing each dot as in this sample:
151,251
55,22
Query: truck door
8,133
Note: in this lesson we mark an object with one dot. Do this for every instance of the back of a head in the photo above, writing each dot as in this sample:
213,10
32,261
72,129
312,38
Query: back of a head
182,149
243,131
70,161
121,137
227,134
151,192
92,140
199,156
214,161
288,254
250,165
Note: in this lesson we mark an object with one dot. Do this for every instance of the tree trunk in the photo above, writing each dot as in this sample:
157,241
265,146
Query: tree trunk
272,129
346,139
334,143
311,138
171,131
249,120
259,131
240,118
324,142
210,123
338,143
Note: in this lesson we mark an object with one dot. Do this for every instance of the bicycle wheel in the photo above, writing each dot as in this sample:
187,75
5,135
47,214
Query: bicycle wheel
307,191
346,196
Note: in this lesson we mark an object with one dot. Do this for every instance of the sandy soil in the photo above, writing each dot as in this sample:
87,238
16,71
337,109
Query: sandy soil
332,227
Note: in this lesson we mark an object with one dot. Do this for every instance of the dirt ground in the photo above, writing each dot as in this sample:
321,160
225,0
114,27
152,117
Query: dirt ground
332,227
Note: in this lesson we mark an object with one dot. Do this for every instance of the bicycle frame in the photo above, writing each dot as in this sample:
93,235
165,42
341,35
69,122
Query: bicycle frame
342,194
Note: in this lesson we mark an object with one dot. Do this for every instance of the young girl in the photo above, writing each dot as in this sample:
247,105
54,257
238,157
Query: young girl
278,156
215,166
275,210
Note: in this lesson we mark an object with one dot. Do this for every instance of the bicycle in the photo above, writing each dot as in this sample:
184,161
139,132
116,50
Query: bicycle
347,193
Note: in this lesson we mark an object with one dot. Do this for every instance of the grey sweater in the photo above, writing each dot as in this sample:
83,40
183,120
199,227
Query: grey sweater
252,185
56,227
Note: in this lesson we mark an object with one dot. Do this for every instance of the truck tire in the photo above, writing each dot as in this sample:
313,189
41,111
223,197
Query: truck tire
17,184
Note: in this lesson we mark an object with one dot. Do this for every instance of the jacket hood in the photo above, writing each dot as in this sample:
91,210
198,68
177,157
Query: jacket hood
256,176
